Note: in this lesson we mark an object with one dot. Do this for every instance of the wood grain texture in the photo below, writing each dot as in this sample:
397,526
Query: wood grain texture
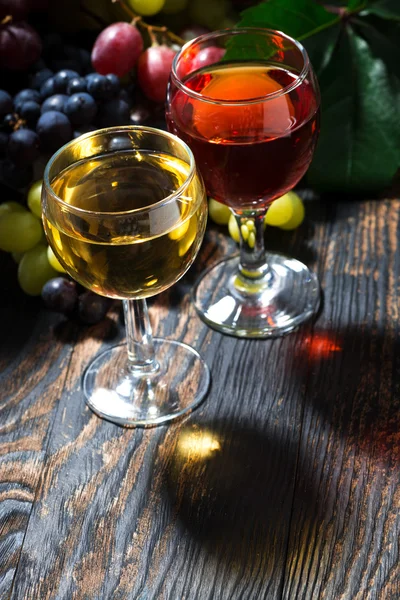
350,438
33,366
283,484
199,509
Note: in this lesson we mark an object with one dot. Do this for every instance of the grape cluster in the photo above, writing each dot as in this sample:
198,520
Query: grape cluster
286,212
119,48
68,91
59,107
61,295
39,272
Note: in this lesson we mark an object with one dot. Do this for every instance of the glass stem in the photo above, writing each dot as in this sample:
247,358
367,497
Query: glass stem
252,264
139,337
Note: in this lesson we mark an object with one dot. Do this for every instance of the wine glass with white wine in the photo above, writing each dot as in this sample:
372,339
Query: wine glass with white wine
124,210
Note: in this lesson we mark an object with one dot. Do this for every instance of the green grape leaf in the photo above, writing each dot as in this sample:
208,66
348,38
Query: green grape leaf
384,45
355,4
354,51
299,18
359,146
386,9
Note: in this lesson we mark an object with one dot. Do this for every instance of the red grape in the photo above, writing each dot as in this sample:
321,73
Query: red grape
154,67
20,46
60,294
207,56
117,49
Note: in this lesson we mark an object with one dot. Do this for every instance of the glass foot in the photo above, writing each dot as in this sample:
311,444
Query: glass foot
288,295
135,398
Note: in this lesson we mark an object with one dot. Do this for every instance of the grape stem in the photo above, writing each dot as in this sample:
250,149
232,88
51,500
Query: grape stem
151,29
18,123
6,20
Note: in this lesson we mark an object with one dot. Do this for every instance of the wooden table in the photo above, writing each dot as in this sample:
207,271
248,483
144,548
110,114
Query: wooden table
283,484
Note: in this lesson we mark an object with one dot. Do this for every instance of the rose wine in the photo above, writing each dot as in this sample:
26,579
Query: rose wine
113,251
252,129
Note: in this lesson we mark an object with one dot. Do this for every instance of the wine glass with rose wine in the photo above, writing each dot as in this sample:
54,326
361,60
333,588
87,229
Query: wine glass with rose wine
124,211
246,102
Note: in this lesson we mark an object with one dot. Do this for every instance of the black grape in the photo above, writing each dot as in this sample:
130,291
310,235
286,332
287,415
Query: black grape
23,147
80,108
92,308
54,130
80,57
9,122
15,176
47,88
60,294
114,80
77,84
62,78
90,77
128,94
100,87
114,112
30,112
56,102
40,77
119,143
3,144
6,103
24,95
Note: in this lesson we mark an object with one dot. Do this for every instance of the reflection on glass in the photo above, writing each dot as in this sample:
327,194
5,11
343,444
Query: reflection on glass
246,101
125,213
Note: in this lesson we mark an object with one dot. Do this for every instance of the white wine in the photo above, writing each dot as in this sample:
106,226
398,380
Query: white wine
116,233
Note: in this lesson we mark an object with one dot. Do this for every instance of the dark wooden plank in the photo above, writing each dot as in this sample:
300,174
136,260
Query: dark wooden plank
33,366
199,509
344,543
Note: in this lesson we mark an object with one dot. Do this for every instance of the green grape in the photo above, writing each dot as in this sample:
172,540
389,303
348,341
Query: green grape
174,6
17,256
53,260
34,198
208,13
252,239
233,228
34,270
219,213
19,231
245,232
298,213
146,7
280,211
9,207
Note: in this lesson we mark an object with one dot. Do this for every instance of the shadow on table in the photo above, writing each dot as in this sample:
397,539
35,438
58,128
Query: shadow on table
71,328
353,384
231,486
